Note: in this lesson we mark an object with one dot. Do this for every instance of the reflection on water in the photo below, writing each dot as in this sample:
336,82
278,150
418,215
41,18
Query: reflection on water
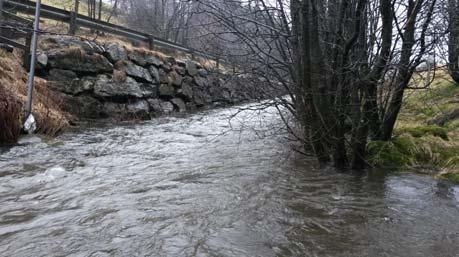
204,186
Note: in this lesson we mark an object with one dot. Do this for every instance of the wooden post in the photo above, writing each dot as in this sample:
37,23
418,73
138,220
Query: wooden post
218,63
73,18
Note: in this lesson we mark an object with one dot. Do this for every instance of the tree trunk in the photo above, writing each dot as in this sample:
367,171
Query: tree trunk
453,44
404,72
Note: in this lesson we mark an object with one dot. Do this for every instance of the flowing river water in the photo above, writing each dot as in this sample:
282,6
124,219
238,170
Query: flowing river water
209,185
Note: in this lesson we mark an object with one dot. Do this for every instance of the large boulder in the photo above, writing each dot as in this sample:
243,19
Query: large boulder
160,107
78,61
67,82
61,75
154,72
79,86
166,90
105,87
153,60
163,78
138,109
114,109
139,73
137,58
186,91
191,68
175,79
201,82
89,47
155,106
201,97
115,53
84,107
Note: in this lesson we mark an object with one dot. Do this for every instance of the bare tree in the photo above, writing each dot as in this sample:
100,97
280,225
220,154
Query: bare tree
344,64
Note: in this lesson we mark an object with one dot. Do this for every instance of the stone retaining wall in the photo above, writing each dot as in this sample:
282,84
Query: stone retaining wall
103,81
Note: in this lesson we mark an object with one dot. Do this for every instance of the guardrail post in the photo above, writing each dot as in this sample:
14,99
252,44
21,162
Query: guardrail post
26,56
1,16
151,42
73,26
73,23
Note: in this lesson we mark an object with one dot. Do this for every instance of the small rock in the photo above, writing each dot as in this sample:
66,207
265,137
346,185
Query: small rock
167,107
179,105
42,60
181,63
203,73
166,67
171,60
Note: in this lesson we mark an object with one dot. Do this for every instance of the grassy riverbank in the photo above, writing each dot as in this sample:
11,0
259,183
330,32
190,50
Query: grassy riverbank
427,134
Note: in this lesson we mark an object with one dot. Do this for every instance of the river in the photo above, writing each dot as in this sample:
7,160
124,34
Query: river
210,184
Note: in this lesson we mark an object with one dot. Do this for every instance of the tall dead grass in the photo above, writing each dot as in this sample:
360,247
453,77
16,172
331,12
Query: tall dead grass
10,111
46,103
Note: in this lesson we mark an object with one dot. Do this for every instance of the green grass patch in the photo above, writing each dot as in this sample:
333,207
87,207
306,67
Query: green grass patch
422,105
409,151
453,177
421,131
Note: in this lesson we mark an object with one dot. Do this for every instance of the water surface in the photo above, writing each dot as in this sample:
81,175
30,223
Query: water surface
208,185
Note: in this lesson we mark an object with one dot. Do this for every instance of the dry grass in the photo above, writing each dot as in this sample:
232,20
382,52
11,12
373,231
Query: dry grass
10,110
46,104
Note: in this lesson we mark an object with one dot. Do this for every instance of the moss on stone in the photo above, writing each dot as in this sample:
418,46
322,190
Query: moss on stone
387,154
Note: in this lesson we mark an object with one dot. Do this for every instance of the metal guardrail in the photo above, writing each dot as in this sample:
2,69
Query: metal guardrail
53,13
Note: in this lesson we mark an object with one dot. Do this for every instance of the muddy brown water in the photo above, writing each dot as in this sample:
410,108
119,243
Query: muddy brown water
208,185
